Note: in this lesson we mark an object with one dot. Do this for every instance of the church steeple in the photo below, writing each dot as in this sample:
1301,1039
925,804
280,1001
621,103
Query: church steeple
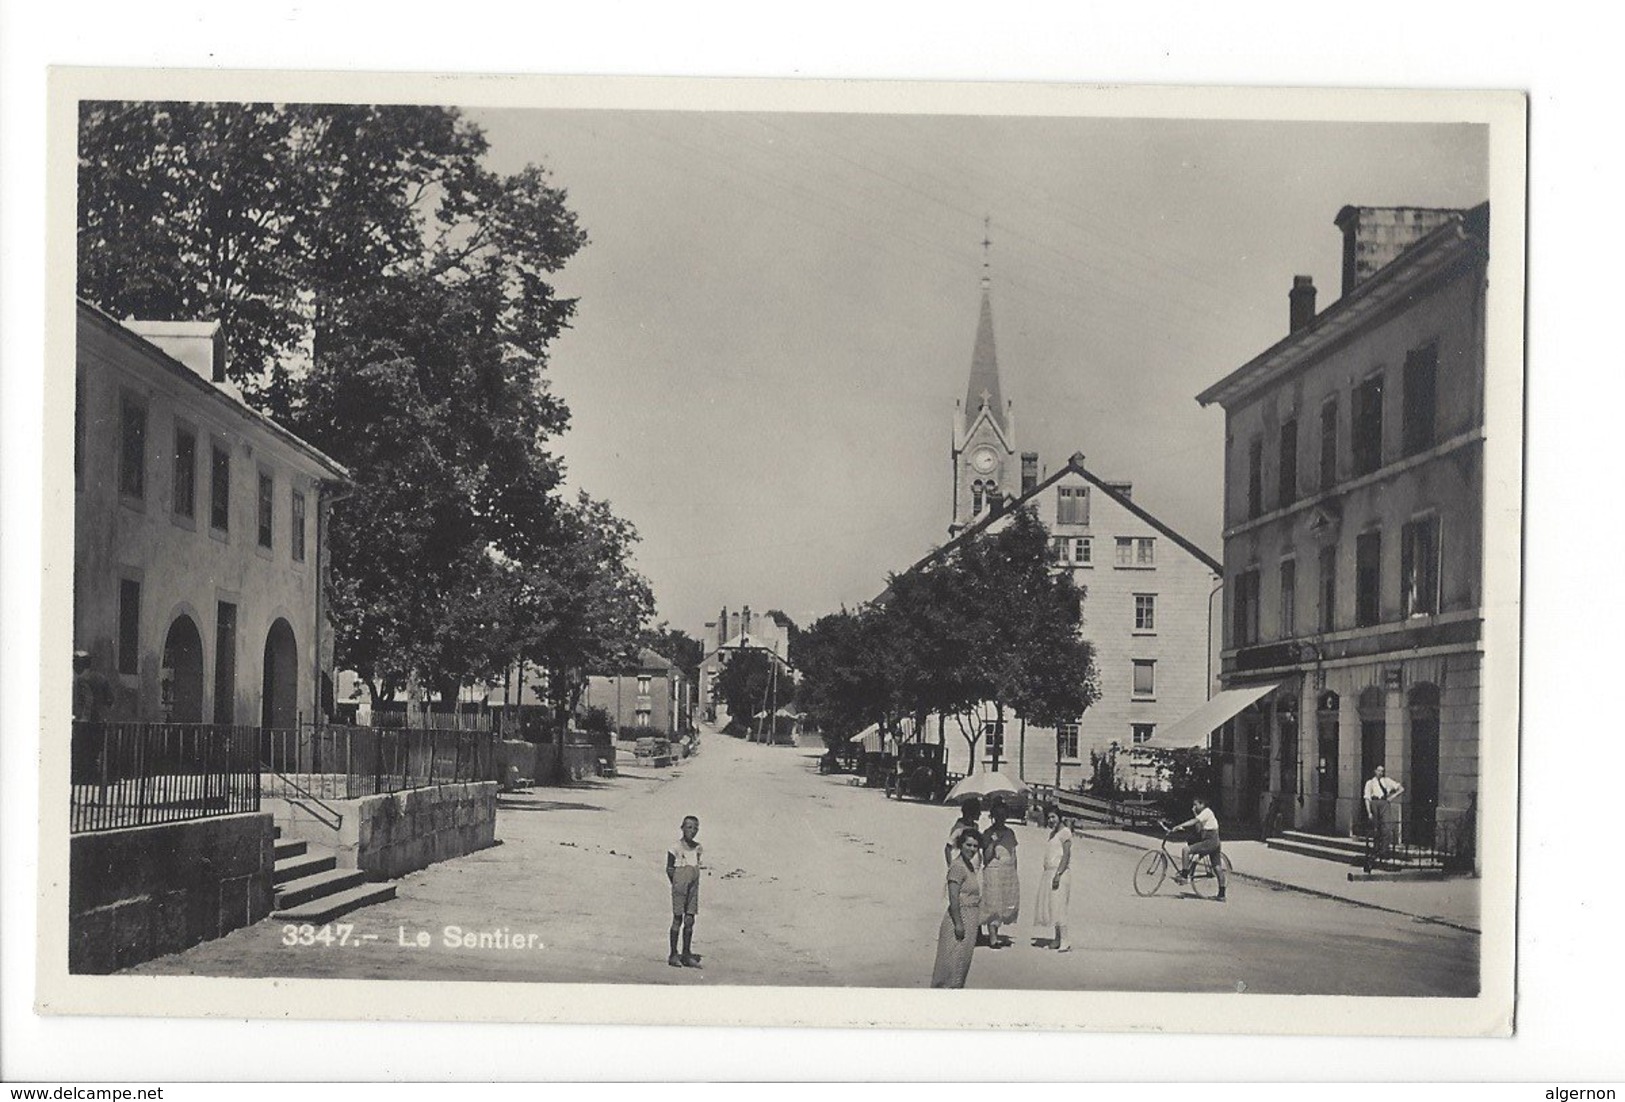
984,461
984,369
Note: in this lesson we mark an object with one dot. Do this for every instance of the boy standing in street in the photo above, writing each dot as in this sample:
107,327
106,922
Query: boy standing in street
683,870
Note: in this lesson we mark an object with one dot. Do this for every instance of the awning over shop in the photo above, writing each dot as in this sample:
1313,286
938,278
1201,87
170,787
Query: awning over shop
1195,728
870,737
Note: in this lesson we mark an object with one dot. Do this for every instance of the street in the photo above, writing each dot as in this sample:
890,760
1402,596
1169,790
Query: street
812,881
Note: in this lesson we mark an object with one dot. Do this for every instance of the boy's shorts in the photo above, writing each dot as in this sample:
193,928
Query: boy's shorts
685,890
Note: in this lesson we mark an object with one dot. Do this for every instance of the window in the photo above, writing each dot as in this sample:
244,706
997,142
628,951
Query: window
641,717
1145,677
1420,398
1145,551
129,626
1143,732
1066,741
1145,612
1083,551
1255,478
1419,567
1125,551
185,472
225,662
644,681
1072,505
132,465
1328,443
1288,477
1367,439
297,526
263,509
1244,610
1368,579
993,738
1058,549
1289,598
1328,588
976,498
219,487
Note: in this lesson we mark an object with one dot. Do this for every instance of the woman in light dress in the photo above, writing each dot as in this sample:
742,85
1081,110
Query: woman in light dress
1055,890
1001,887
956,937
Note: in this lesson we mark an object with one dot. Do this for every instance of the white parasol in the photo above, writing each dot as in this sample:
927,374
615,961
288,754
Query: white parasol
984,786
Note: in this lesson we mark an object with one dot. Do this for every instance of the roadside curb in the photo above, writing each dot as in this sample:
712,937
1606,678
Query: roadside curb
1291,887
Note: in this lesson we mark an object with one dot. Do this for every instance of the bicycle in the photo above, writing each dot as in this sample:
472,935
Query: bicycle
1152,869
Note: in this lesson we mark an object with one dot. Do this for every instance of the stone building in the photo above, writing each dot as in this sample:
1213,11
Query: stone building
198,533
1353,513
731,632
651,693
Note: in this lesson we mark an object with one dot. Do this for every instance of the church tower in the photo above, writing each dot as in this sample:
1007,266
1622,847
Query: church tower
985,465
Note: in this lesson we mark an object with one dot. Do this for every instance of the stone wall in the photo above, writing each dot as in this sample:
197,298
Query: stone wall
397,833
143,892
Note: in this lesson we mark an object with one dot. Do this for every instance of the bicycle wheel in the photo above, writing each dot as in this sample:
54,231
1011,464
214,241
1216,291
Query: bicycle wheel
1148,874
1203,880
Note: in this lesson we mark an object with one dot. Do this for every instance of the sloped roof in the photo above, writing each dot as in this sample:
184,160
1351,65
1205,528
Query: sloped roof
1393,283
226,394
1073,465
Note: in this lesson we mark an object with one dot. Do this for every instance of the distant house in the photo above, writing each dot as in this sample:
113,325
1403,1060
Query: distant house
729,634
198,533
651,693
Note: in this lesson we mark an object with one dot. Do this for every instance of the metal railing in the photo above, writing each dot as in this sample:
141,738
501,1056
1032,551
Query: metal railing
347,763
141,774
1075,805
1447,842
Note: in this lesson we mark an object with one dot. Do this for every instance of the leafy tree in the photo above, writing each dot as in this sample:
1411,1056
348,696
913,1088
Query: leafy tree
586,608
843,679
388,297
743,685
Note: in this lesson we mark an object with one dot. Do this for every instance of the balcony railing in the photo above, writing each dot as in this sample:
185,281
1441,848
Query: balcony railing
141,774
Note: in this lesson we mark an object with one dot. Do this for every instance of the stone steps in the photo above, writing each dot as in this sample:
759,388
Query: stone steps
289,848
301,865
325,908
307,888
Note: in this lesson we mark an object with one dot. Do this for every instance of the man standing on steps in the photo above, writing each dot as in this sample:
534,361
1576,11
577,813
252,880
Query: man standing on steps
1380,793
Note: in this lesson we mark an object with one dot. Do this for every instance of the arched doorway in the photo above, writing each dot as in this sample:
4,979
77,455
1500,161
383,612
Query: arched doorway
181,678
1422,786
279,700
1326,733
1373,734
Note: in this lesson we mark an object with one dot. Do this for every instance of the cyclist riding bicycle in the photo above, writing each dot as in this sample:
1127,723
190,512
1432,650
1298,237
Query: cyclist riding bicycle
1203,819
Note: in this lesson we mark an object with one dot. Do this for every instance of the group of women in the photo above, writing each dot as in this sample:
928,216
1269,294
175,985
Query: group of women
984,889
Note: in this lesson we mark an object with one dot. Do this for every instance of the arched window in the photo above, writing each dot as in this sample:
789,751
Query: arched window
976,497
1422,784
1327,733
1373,730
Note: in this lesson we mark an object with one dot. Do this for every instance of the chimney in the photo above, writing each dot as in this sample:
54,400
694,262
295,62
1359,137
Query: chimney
1302,299
1029,471
200,345
1374,236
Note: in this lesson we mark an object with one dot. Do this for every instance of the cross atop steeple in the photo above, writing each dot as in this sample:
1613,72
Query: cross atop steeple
987,244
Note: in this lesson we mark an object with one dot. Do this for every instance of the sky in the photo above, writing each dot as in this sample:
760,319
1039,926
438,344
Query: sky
777,313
